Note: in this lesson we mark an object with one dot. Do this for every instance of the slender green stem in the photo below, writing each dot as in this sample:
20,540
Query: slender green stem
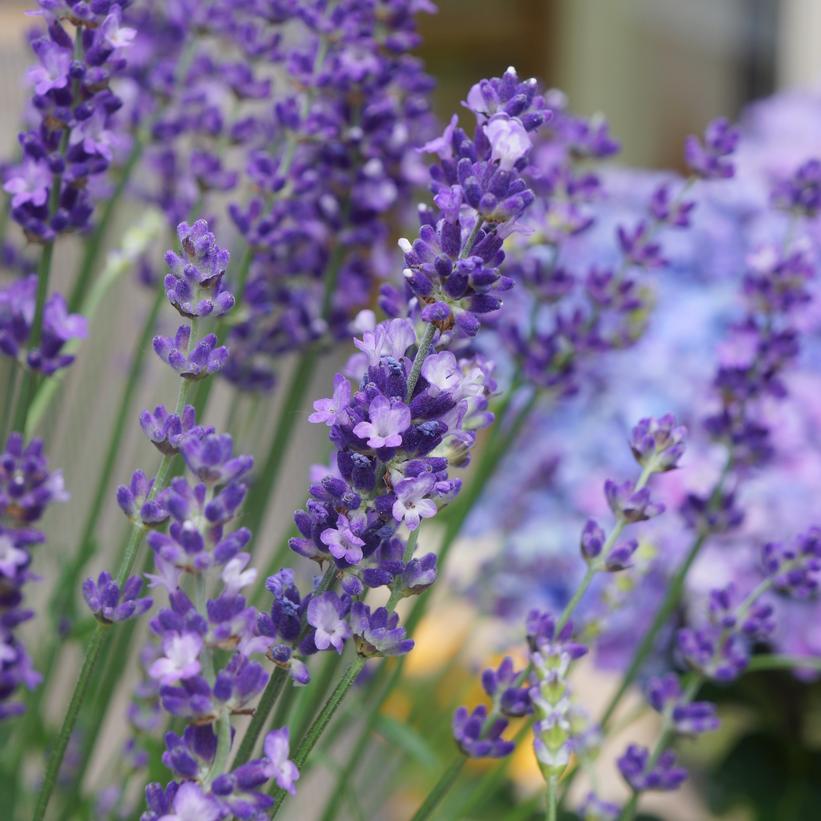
422,351
440,789
93,244
8,398
319,724
96,642
276,682
345,778
67,584
220,763
80,689
273,689
674,592
552,800
295,393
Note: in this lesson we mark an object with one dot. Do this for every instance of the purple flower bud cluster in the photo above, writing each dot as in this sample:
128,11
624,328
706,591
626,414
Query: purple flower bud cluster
319,109
195,288
393,452
552,652
566,319
795,569
236,794
27,488
710,157
479,191
75,137
643,774
800,192
721,648
657,445
753,362
17,308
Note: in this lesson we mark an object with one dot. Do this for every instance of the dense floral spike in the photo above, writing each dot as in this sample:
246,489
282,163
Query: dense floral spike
328,151
27,488
72,144
551,653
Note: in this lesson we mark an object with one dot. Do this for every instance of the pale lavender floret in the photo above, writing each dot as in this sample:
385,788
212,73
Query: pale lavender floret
235,576
390,338
11,557
192,804
412,503
278,765
332,411
509,141
29,182
326,614
93,135
52,73
180,659
109,604
442,372
388,420
342,541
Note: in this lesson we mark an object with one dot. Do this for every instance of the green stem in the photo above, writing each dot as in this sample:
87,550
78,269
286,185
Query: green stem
276,682
422,352
345,778
274,688
311,697
68,583
675,590
552,802
93,244
96,641
316,729
440,789
220,763
295,392
80,689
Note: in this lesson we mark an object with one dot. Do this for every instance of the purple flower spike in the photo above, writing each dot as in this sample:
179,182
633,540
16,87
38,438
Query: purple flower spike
800,192
17,304
277,763
476,739
206,357
632,505
378,633
665,775
795,568
710,158
658,444
109,604
167,430
194,283
326,614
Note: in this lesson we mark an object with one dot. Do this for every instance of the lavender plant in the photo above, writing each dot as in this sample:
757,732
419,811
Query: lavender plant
297,133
